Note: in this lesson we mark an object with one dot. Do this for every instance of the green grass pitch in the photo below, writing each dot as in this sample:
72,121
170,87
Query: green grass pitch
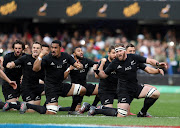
166,112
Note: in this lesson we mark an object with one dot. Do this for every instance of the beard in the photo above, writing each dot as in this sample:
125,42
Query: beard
79,58
111,58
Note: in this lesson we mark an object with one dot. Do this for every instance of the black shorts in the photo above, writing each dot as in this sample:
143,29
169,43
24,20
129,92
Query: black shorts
89,88
126,96
32,94
9,92
52,94
107,97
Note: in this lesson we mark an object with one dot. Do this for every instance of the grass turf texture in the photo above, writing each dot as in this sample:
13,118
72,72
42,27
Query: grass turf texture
166,112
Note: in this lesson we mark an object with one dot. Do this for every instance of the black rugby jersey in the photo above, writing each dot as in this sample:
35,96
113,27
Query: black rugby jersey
55,67
110,83
79,76
30,77
126,70
13,74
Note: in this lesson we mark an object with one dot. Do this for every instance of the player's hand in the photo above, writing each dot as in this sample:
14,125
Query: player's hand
13,84
103,61
9,65
161,72
162,65
79,66
95,66
44,52
71,67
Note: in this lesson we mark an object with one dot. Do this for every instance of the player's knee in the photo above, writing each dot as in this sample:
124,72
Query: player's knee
51,109
153,93
156,94
83,91
79,90
122,112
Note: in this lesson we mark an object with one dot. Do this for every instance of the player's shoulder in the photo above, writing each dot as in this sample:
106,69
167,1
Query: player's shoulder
65,54
9,54
47,57
115,62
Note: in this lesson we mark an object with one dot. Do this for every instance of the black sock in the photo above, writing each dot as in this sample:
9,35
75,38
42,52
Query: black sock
2,105
18,103
15,106
148,102
37,108
107,112
96,100
64,108
103,107
76,100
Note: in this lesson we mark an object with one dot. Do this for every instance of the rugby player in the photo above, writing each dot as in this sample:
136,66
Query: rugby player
126,66
30,88
54,64
79,76
10,94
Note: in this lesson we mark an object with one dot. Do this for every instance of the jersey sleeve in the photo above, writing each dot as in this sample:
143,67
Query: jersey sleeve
44,62
20,60
91,63
142,66
140,59
70,59
110,68
5,61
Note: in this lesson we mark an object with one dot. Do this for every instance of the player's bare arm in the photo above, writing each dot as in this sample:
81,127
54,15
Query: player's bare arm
151,70
37,63
100,73
156,63
12,83
66,73
103,61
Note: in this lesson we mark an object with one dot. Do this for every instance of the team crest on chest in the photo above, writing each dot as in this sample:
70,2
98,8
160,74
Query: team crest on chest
86,66
64,61
133,62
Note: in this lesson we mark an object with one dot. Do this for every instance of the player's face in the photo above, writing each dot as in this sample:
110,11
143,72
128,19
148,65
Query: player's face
131,50
79,53
46,49
112,54
36,49
18,49
55,49
121,54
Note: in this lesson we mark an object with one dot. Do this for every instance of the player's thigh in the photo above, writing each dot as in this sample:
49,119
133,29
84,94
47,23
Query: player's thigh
91,89
106,98
149,91
73,89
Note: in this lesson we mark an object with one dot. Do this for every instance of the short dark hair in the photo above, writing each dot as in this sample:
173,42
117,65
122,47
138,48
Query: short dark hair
18,42
119,45
130,45
73,50
37,43
45,45
57,42
111,48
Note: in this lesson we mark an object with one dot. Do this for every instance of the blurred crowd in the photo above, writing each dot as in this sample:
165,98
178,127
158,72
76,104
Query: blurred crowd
95,43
